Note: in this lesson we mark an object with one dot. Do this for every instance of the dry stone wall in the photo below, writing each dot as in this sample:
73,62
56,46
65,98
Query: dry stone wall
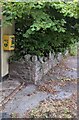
32,68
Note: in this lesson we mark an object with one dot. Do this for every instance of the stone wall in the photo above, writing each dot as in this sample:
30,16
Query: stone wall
32,68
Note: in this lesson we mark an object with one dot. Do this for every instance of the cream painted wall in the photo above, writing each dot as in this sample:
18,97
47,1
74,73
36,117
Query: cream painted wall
9,30
0,11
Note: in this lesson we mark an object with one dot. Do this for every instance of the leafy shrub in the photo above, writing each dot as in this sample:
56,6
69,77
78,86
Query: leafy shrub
73,49
42,26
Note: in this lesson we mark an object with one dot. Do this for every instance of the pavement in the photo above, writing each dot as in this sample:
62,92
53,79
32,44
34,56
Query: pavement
7,87
30,95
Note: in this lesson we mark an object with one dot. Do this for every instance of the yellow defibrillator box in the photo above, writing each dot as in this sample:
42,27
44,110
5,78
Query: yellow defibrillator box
8,42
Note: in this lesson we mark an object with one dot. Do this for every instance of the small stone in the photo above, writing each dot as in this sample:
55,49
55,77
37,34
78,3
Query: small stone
41,59
34,58
45,59
27,57
59,57
50,54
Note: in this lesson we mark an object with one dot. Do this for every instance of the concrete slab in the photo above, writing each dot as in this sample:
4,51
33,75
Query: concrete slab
7,87
29,97
24,100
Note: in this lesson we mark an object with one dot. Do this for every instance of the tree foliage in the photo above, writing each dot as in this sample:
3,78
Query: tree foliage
43,26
